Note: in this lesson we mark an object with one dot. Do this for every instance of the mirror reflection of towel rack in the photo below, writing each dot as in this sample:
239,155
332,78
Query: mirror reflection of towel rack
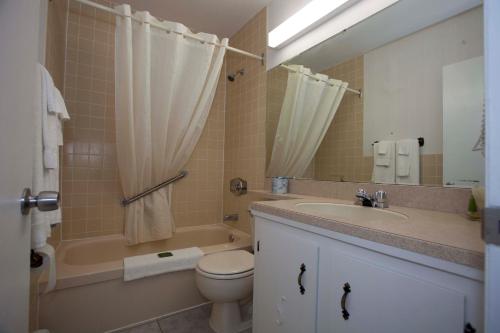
421,142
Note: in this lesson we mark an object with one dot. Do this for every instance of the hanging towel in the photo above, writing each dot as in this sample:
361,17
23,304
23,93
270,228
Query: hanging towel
408,162
151,264
383,153
48,117
384,164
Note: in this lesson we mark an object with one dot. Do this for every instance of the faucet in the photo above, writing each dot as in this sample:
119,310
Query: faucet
377,200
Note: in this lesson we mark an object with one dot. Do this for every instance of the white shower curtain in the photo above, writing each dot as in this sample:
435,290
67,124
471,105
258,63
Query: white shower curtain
165,84
308,109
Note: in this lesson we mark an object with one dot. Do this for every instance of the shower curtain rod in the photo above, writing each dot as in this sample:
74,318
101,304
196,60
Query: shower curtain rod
229,48
357,92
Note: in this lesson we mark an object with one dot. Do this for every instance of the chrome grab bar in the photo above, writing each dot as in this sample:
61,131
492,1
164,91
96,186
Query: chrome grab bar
128,201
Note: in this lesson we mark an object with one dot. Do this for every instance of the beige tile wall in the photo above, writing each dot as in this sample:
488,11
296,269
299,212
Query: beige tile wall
90,189
340,155
244,150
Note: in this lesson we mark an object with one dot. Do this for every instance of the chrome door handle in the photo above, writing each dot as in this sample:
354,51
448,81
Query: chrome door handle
45,201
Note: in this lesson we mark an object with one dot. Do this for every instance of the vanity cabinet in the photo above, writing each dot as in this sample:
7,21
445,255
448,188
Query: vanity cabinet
354,287
285,281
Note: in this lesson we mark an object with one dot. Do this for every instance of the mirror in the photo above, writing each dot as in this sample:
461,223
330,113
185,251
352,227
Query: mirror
389,100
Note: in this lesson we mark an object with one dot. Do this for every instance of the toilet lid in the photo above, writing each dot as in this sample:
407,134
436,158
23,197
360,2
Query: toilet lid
227,262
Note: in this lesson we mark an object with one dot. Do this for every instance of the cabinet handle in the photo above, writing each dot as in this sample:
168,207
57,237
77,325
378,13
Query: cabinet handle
469,328
299,279
347,290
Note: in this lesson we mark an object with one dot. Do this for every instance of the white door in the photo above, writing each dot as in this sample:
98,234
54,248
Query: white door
285,260
19,52
492,88
359,296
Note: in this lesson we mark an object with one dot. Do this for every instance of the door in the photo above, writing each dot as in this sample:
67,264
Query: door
492,87
19,51
379,299
285,280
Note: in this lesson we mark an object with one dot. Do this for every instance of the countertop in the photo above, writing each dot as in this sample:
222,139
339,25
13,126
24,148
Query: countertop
437,234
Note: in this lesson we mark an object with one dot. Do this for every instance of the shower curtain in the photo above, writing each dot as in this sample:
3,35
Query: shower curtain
165,84
308,109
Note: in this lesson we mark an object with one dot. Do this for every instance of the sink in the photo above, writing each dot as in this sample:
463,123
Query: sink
351,212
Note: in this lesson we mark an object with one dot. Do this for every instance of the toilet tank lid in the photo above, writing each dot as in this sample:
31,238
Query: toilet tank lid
227,262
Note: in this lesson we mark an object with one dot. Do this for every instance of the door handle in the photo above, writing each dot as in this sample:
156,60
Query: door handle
347,290
299,279
45,201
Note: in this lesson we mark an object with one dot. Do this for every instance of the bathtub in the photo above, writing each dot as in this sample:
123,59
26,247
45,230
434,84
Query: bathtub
91,296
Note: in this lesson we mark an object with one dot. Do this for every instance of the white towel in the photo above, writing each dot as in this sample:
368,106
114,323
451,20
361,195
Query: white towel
150,264
384,164
383,153
408,162
45,179
53,112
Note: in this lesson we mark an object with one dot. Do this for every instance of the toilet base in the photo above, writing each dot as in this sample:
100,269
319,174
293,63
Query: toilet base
226,318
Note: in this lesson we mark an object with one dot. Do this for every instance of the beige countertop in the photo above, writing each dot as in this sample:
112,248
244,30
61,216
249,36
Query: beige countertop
441,235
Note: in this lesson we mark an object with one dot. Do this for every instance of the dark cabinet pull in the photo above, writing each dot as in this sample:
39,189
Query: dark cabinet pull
347,290
469,328
299,279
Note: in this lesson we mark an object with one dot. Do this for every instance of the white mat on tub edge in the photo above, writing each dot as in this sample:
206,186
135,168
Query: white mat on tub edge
150,264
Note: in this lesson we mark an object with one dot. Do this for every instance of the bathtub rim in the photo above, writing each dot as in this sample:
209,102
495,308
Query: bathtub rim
69,276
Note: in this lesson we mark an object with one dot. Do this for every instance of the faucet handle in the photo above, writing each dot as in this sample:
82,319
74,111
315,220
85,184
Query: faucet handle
381,199
361,192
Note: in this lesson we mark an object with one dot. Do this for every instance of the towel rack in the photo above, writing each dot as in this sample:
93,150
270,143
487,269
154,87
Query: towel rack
421,142
128,201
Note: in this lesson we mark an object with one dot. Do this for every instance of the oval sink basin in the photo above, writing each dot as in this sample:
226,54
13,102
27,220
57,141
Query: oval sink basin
351,212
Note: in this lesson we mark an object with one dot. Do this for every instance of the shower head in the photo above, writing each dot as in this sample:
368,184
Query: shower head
232,77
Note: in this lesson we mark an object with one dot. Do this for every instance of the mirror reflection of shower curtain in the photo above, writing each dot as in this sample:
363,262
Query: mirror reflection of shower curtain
165,85
308,109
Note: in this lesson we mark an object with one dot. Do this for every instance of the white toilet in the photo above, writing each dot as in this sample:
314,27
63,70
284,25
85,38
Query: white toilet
225,278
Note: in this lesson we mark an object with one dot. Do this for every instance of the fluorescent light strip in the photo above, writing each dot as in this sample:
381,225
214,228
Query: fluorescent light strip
301,20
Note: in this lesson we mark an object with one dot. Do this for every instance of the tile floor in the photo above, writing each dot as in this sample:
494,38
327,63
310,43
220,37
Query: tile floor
191,321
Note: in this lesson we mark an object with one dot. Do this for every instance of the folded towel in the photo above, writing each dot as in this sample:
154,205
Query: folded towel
384,153
53,113
151,264
384,165
383,147
408,162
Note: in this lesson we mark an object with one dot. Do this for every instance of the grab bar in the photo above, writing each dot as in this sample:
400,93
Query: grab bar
128,201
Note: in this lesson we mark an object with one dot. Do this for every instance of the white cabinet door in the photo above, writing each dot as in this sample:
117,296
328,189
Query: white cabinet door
382,300
279,303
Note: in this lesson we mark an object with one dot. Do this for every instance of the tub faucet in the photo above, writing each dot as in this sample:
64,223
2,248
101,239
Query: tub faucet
377,200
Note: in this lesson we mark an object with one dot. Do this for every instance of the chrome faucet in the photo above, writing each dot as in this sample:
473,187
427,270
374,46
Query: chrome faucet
377,200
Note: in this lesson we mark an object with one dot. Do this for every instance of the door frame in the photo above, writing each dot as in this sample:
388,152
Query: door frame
492,100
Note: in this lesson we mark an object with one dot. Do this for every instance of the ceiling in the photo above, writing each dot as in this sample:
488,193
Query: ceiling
221,17
399,20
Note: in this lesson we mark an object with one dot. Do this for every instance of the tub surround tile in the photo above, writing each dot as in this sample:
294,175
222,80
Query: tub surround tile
446,236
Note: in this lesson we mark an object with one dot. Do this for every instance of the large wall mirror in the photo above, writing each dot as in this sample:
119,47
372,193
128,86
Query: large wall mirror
390,100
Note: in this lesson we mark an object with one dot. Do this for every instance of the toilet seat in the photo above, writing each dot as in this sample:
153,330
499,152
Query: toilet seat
227,265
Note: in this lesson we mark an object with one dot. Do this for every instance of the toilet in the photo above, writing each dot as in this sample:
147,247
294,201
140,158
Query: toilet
226,278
